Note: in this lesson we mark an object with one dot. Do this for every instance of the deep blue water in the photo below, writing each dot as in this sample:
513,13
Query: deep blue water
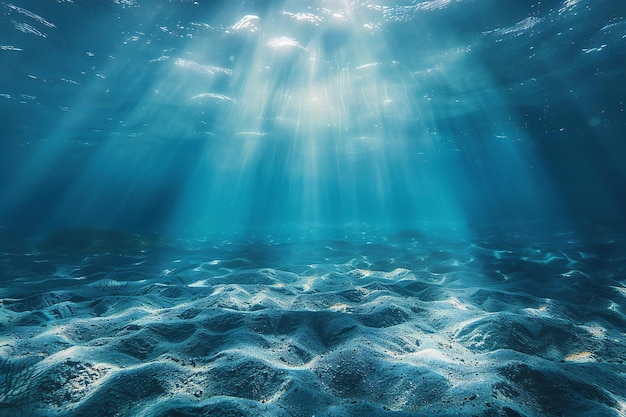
194,117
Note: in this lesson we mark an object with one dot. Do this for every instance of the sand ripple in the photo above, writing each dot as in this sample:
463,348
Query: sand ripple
489,327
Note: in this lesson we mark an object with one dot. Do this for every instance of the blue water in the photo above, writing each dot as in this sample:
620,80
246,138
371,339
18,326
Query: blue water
193,117
320,162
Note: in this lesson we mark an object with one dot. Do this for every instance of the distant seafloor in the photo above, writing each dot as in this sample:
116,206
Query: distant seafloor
102,323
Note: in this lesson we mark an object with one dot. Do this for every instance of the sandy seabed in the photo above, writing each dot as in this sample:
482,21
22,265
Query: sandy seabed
96,323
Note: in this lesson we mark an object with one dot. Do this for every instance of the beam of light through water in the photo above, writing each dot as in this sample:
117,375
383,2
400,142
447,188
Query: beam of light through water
325,113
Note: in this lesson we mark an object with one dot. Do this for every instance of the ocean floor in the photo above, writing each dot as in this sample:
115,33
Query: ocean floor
99,323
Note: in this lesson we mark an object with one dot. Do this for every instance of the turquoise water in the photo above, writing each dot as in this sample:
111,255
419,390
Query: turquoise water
299,208
197,117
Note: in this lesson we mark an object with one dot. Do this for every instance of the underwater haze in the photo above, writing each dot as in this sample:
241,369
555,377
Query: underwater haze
192,117
313,208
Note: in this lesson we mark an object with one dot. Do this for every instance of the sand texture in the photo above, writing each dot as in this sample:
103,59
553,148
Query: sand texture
105,324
